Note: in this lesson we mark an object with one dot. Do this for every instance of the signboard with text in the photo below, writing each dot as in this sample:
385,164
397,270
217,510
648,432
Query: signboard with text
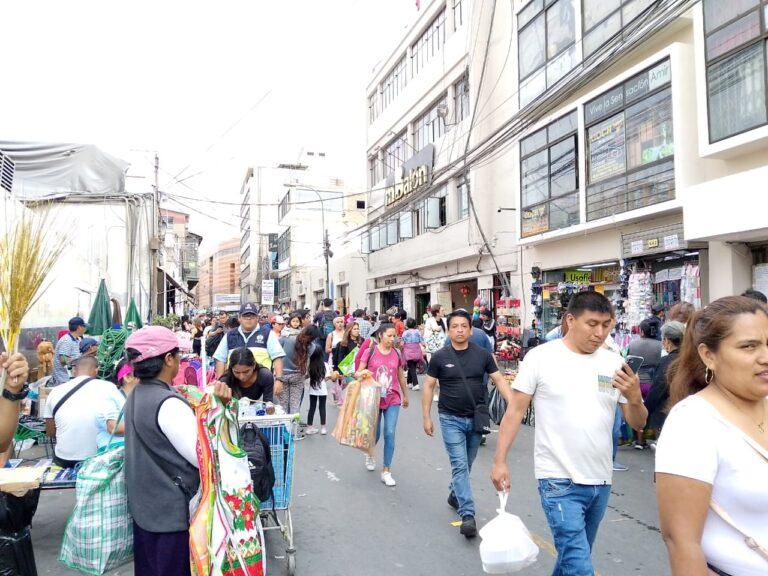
267,292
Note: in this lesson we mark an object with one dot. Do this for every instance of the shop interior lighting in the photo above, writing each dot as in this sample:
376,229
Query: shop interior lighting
603,265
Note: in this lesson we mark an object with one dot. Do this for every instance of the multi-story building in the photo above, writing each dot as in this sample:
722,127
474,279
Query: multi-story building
602,135
177,273
219,284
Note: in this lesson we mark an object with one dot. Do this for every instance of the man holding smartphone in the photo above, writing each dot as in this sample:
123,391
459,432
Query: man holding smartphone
575,385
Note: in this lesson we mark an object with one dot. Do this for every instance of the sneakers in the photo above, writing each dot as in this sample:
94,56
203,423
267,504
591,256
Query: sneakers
620,467
453,502
637,446
416,388
468,527
323,430
652,446
370,463
312,430
386,477
484,440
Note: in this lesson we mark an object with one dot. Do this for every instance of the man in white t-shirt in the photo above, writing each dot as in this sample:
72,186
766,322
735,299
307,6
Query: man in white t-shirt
575,385
74,419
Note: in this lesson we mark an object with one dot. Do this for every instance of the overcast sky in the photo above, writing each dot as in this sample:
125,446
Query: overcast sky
213,87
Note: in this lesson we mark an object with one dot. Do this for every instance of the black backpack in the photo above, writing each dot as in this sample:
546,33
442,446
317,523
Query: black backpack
212,342
256,445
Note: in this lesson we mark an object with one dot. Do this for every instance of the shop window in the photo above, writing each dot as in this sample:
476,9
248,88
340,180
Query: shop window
604,19
630,145
735,47
549,177
546,45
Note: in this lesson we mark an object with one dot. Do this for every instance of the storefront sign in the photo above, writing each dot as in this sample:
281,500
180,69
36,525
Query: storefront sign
578,276
637,247
226,299
652,243
416,174
671,242
606,149
535,220
268,292
390,281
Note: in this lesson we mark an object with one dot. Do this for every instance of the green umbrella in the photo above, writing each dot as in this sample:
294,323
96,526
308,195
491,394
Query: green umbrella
100,318
132,315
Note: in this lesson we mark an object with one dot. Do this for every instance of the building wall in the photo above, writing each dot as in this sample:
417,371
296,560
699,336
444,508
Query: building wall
219,275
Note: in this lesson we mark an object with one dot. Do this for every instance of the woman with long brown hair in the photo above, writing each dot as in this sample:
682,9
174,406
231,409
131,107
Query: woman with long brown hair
303,360
712,457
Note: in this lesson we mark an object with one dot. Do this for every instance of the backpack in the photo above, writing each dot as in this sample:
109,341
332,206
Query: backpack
212,342
327,324
256,445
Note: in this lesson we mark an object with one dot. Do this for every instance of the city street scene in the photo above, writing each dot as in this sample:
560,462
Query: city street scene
373,287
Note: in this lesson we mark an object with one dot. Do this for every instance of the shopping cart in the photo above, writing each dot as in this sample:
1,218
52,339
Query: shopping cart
281,433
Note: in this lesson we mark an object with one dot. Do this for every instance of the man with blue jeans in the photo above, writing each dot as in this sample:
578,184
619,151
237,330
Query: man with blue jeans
575,385
461,369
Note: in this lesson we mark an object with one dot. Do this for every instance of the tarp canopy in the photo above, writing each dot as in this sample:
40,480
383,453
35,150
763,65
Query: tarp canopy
46,171
132,315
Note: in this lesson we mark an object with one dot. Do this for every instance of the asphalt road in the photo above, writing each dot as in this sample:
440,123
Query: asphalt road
347,523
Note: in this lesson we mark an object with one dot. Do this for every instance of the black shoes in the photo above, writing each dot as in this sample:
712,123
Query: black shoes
453,502
468,527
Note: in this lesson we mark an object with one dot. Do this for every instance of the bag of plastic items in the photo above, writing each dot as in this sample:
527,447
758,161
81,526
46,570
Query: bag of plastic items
358,417
507,545
16,554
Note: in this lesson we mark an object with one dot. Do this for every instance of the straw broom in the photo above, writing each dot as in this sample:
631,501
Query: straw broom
27,253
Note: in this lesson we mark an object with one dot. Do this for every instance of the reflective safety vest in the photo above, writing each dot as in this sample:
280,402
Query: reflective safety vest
256,343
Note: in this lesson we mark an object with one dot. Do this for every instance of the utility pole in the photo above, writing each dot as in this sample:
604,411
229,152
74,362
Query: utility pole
327,254
154,242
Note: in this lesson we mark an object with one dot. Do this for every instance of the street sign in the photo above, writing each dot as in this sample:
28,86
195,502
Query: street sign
268,292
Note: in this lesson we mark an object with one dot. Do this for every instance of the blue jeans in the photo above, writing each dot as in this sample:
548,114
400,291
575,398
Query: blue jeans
389,415
616,431
574,512
461,442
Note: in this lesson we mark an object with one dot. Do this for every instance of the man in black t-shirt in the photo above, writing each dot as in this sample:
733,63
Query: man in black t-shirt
456,408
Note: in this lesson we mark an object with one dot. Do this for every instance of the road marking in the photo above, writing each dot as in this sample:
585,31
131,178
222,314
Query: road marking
547,546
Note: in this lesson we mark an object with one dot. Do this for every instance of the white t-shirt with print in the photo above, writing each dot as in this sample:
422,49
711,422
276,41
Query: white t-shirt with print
697,442
575,406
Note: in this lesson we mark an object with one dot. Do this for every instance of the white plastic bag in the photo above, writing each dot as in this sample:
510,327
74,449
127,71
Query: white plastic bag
507,545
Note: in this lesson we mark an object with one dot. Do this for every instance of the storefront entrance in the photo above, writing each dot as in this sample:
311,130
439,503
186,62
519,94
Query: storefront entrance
391,298
422,302
463,294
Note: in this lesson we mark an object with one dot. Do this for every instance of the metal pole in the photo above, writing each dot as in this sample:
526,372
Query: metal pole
154,243
325,243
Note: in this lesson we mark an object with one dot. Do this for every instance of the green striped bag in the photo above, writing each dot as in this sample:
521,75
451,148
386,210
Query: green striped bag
99,533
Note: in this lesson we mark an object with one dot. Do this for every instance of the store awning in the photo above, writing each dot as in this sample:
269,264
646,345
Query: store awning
176,284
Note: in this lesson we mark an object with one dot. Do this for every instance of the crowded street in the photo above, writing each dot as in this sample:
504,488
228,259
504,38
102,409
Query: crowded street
349,512
376,287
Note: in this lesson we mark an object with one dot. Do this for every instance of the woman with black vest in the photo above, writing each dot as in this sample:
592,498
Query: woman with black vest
161,472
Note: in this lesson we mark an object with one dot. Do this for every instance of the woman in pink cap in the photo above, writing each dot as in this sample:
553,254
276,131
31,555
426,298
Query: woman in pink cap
160,455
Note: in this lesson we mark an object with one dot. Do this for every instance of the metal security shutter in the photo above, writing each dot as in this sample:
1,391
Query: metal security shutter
7,169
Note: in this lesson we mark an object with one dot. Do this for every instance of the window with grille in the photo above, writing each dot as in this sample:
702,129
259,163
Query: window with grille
429,44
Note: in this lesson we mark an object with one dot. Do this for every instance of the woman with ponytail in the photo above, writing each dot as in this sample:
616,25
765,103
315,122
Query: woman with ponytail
712,457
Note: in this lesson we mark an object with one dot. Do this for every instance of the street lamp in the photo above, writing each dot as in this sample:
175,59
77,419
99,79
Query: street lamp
326,243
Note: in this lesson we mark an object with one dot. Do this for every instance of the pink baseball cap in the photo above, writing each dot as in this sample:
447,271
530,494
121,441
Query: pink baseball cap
151,342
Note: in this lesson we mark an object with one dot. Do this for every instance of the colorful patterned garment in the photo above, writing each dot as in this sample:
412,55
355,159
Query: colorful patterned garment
225,533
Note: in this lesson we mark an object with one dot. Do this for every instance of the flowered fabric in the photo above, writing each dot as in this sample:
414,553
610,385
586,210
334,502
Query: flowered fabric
225,531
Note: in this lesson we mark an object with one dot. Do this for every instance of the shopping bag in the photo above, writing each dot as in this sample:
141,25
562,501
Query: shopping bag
507,545
16,554
359,415
497,406
435,342
99,533
347,365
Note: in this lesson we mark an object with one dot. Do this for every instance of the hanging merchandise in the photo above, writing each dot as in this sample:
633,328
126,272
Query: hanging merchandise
690,285
640,298
225,533
111,351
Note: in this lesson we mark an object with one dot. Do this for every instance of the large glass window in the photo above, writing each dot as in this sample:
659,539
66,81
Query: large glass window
429,126
394,155
393,83
429,43
458,14
284,246
463,189
546,45
373,106
604,19
630,144
461,100
374,171
549,178
735,48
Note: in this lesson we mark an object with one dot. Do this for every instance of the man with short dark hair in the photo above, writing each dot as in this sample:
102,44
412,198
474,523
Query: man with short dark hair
88,347
68,350
657,320
461,369
324,320
755,295
575,384
365,326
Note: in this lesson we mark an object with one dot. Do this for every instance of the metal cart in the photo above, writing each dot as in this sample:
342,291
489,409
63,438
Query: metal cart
281,433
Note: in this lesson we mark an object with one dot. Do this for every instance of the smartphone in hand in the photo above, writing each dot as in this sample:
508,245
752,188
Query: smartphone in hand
634,362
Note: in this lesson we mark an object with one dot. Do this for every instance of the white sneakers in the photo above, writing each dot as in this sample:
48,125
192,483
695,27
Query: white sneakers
386,477
323,430
370,463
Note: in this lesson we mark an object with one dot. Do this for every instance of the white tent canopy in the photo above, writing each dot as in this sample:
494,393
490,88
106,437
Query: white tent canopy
48,171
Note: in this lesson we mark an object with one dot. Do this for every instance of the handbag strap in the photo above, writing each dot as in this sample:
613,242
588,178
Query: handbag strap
725,517
68,395
463,377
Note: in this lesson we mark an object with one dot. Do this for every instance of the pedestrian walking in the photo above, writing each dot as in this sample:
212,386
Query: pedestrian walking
334,337
310,362
68,350
161,474
712,456
385,364
434,335
649,349
657,399
461,369
413,352
575,384
294,326
365,326
350,340
300,347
